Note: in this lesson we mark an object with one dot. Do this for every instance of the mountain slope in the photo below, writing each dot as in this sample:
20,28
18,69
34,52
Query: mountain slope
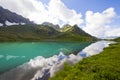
75,33
41,33
117,39
27,33
44,32
6,15
75,30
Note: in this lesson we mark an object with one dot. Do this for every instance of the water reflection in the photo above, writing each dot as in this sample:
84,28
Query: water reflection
94,48
16,53
41,68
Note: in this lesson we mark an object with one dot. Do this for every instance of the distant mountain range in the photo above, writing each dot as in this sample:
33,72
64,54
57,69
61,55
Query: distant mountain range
44,32
6,15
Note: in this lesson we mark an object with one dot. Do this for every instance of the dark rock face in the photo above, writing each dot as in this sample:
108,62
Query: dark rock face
6,15
51,25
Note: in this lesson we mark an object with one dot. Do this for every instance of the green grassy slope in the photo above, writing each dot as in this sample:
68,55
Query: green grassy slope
26,33
117,39
104,66
42,33
74,33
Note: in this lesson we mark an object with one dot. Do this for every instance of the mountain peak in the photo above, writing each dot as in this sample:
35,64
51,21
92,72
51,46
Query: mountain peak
74,29
68,27
11,17
51,25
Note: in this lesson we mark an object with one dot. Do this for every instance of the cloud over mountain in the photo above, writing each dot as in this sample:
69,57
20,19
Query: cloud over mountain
55,11
99,24
96,23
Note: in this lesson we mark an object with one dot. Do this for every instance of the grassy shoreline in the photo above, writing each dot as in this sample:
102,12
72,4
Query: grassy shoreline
104,66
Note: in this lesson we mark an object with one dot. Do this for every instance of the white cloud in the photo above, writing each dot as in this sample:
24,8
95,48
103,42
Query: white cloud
113,32
9,23
59,10
99,24
55,12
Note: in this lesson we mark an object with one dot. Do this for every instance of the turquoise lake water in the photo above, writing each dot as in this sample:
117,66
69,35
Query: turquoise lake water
16,53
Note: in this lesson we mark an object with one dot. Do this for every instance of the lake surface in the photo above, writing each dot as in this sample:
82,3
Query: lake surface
42,59
14,54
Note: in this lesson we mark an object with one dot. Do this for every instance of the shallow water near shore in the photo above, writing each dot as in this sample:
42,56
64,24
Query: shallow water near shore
42,60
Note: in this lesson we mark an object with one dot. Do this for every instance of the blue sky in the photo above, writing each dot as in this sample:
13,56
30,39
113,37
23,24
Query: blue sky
81,6
94,5
100,18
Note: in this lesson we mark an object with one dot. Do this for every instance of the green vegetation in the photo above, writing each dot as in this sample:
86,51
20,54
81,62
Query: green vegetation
104,66
117,39
42,33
